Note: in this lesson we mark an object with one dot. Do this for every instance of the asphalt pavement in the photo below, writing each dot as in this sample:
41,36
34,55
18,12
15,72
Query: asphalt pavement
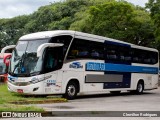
149,101
120,105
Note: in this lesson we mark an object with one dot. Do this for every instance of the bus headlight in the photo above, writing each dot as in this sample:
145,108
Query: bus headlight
11,81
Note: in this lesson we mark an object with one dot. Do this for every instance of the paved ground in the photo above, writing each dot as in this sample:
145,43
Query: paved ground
149,101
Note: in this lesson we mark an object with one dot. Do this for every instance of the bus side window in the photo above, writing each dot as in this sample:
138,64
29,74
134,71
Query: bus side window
86,49
96,50
111,52
127,58
111,55
144,56
153,61
147,60
154,57
53,59
83,53
121,57
64,39
74,53
51,62
77,49
9,50
135,59
95,54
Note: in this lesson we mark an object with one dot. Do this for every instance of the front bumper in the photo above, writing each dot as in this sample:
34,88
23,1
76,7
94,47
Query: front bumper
29,89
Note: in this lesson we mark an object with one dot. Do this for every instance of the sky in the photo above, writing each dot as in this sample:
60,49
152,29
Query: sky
138,2
12,8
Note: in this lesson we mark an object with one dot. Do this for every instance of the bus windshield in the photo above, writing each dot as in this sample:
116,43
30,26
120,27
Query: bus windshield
24,60
2,67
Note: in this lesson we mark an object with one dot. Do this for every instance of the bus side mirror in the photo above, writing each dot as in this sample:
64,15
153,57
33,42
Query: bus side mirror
6,60
42,47
7,47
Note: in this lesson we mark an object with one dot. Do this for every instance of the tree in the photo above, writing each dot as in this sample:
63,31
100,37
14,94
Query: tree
119,20
111,18
154,7
12,29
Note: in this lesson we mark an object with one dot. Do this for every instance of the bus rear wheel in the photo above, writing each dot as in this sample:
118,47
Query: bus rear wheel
71,91
140,87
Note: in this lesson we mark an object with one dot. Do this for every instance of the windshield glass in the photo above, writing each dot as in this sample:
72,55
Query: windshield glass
24,60
2,67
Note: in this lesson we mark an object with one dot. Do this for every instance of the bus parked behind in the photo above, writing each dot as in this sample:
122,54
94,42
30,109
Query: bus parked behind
5,56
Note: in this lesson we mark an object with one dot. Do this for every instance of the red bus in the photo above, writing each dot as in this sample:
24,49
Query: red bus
5,56
4,64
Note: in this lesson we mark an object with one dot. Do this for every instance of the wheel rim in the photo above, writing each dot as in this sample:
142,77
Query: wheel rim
71,90
140,88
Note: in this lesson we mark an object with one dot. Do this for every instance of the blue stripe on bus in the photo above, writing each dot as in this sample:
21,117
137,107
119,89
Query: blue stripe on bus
92,66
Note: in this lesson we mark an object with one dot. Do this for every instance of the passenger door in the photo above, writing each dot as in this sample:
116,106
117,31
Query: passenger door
52,63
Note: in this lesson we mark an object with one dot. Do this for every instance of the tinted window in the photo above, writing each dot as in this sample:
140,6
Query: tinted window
144,56
53,59
9,50
65,39
86,49
3,67
115,53
118,54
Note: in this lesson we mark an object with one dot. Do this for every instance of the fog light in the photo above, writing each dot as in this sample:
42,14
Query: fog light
35,89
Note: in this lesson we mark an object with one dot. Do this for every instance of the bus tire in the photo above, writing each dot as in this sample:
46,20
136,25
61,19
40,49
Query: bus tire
71,91
115,92
140,87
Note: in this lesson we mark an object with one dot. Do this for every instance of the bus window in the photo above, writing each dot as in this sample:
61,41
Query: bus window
111,55
9,50
94,53
86,49
144,56
53,59
64,39
118,54
3,69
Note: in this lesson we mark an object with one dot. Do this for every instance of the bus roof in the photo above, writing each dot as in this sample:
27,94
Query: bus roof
46,34
49,34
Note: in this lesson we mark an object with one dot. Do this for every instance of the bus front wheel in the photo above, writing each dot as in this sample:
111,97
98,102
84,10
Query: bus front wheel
71,91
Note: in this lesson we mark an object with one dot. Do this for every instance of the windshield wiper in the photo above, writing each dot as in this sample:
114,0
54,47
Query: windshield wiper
19,64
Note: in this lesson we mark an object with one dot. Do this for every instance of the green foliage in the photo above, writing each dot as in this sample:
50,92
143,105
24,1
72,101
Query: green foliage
12,107
120,20
154,7
63,24
12,29
6,98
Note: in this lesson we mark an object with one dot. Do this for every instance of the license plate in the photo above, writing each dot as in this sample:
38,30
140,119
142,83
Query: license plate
19,90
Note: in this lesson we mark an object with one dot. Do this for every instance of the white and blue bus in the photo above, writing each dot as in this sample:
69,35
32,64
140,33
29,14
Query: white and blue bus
74,63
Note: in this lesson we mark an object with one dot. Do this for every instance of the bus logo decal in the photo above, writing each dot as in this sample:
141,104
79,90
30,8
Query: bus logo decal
95,66
91,66
76,65
51,83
